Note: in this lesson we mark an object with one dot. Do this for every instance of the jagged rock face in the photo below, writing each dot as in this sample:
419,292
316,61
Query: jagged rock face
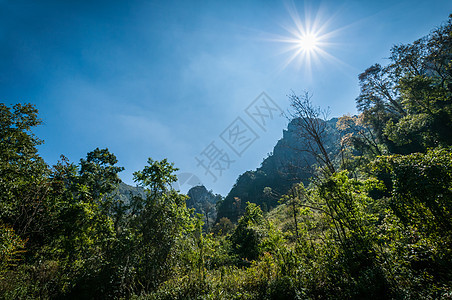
203,201
288,164
199,197
199,194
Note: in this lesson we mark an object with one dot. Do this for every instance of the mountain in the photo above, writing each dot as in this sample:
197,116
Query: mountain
124,191
199,198
204,202
289,163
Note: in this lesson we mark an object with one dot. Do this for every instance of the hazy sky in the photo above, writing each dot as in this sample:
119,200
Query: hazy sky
175,79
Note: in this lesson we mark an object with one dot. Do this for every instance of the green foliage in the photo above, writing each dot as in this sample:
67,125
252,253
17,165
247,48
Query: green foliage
22,171
376,225
150,232
247,235
249,188
223,227
10,248
345,202
156,176
421,189
99,173
408,103
294,200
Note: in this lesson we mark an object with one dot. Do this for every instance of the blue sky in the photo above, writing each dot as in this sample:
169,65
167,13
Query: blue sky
165,79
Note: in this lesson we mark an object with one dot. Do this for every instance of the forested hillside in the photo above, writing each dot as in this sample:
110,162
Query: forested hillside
373,221
289,163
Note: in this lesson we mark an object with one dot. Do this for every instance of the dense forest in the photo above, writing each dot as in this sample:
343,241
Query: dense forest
374,219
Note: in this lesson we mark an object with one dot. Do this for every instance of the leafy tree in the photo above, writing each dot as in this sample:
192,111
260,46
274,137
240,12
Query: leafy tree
247,236
22,171
11,247
408,103
158,222
81,222
157,176
358,136
99,173
346,202
294,199
223,227
421,189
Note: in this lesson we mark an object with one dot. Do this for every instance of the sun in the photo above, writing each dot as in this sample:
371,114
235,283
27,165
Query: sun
308,39
308,42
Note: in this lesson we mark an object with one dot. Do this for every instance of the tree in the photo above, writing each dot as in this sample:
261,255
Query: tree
313,129
11,246
357,133
421,189
294,199
378,90
23,173
247,236
408,104
157,176
99,173
158,222
223,227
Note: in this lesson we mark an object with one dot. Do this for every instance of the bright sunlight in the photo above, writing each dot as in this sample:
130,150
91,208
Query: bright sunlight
308,42
309,37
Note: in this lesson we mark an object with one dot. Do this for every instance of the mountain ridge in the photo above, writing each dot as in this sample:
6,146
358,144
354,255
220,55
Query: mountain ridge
289,163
